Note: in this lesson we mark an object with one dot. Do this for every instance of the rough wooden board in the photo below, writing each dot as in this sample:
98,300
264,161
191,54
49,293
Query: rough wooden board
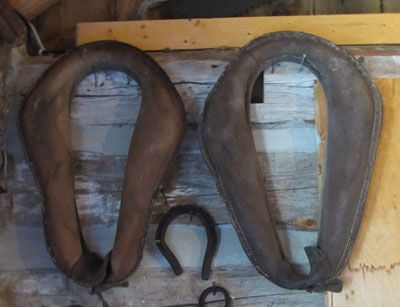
380,61
236,32
347,7
26,246
103,119
321,124
289,177
372,275
291,182
391,6
279,8
50,288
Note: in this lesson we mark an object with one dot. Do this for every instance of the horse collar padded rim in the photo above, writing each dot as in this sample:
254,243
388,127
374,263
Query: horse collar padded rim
45,132
353,126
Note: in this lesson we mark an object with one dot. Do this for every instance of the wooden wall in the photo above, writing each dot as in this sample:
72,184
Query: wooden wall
103,118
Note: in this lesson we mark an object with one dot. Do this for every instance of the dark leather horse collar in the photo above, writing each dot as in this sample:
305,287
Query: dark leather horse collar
45,131
354,119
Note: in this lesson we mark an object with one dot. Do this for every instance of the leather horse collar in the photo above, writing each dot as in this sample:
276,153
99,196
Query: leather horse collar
208,223
353,127
45,131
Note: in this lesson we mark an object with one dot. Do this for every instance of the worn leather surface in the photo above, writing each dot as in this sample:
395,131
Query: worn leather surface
353,126
45,132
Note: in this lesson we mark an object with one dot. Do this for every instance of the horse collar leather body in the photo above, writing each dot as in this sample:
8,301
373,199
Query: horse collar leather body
353,127
46,136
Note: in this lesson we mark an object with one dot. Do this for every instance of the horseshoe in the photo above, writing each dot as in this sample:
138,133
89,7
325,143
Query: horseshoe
212,240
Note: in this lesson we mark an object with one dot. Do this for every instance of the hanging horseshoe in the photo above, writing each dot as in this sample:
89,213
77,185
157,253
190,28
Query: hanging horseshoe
353,126
212,240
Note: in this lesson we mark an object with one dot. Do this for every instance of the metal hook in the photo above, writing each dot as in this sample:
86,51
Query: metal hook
95,78
302,62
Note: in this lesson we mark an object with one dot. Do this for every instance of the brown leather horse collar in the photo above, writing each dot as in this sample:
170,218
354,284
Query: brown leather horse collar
45,131
353,127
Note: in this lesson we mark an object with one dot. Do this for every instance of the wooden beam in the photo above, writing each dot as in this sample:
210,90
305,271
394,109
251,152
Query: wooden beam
236,32
32,8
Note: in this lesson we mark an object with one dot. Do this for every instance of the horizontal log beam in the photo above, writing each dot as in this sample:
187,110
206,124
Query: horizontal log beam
236,32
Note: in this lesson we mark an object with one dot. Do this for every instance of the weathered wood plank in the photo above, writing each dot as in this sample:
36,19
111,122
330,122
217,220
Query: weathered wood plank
22,241
200,33
283,8
103,117
321,121
380,62
281,196
391,6
291,186
247,287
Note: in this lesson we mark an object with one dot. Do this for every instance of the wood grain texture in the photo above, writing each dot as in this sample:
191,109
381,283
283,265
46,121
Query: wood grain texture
372,276
103,113
22,241
282,8
103,117
321,116
322,7
32,8
248,288
391,6
236,32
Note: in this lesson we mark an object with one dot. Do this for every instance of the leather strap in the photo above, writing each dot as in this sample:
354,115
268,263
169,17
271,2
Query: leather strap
45,132
354,119
208,224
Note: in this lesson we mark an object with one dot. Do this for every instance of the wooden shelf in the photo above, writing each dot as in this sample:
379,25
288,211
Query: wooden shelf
360,29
